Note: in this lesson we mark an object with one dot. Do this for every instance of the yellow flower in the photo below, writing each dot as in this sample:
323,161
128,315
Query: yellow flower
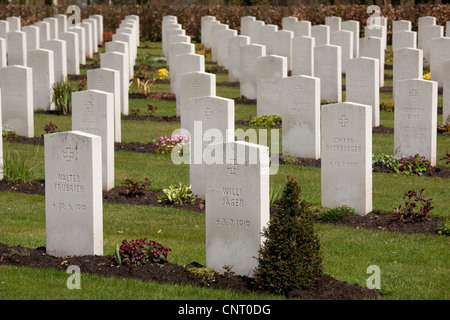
426,76
163,73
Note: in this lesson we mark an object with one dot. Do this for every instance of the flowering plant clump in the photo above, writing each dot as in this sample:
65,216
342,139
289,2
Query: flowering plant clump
166,144
9,135
163,74
412,165
427,76
415,200
141,251
134,188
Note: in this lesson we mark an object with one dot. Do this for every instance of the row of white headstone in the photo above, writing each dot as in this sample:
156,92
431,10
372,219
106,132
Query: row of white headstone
344,143
79,164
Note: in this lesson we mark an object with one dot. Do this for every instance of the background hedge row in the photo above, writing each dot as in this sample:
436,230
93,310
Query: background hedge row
189,15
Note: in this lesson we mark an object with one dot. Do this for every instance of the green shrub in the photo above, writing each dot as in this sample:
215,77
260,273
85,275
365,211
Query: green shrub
175,194
18,168
208,275
265,121
387,106
335,214
290,257
444,228
62,97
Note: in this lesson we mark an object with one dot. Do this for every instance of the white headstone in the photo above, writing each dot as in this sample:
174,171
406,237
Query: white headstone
123,37
245,25
17,99
32,36
4,28
300,101
408,64
266,34
253,30
59,57
62,23
327,67
346,151
334,23
362,85
377,32
203,27
234,56
269,72
94,36
303,56
223,37
72,50
344,39
209,121
73,194
185,63
14,24
176,49
372,47
93,112
415,119
321,34
118,61
108,80
206,32
401,25
404,39
42,63
193,85
446,93
430,33
81,42
88,34
53,24
353,26
282,45
288,23
440,51
1,140
99,19
248,79
44,31
302,28
121,47
3,61
214,40
237,205
422,23
17,48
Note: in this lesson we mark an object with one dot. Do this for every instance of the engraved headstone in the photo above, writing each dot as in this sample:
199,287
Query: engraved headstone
108,80
93,112
244,25
402,39
303,56
283,45
118,61
248,80
17,99
209,121
362,85
269,72
415,119
321,34
302,28
73,194
300,101
59,57
237,207
327,67
203,20
41,61
372,47
346,156
407,64
234,56
32,36
72,50
81,42
17,48
353,26
223,37
422,23
344,39
184,63
440,51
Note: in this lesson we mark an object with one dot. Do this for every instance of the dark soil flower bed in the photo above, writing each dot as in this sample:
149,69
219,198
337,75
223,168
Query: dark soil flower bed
327,288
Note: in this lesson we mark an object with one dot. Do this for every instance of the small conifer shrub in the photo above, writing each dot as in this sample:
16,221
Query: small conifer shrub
290,257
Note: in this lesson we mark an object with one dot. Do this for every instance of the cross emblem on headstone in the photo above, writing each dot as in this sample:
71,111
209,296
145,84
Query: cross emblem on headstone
208,113
68,154
232,168
413,94
342,121
89,106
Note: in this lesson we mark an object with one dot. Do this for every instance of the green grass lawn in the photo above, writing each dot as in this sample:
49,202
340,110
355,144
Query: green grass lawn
413,267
